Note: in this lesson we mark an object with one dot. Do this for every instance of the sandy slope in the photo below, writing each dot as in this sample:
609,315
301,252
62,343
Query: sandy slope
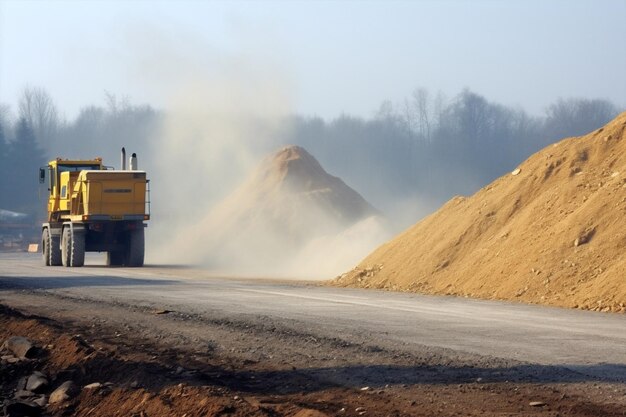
286,205
553,232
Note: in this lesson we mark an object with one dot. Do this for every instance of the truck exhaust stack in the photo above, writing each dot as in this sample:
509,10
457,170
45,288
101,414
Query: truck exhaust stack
132,163
123,163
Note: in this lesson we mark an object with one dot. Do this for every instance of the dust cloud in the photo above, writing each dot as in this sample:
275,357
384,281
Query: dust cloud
289,218
222,115
330,255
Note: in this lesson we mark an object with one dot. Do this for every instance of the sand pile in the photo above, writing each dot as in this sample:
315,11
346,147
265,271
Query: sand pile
553,231
290,218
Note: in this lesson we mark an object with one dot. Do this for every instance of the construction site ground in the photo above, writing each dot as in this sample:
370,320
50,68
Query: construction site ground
180,342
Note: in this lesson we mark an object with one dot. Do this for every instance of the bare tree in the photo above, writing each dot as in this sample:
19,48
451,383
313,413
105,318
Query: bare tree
116,106
386,110
410,116
577,116
37,108
5,119
421,103
439,106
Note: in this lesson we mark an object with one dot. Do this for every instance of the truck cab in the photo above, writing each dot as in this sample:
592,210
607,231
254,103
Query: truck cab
62,174
94,209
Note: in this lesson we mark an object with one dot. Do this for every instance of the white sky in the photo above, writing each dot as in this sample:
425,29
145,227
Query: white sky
332,57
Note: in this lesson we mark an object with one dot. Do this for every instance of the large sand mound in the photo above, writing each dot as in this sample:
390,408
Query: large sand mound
288,206
551,232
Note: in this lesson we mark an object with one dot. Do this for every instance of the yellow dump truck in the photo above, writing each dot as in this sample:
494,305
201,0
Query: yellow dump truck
94,209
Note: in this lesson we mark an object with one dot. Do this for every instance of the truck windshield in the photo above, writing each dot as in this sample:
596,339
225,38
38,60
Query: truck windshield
65,168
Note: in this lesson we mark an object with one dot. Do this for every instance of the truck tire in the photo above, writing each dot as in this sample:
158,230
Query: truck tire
73,247
55,250
66,239
50,248
136,247
45,247
115,258
78,248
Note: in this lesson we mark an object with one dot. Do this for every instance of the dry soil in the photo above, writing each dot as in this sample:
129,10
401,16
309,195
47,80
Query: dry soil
550,232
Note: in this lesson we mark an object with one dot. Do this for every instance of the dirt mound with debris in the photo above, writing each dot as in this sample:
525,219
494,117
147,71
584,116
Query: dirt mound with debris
550,232
63,375
288,202
103,362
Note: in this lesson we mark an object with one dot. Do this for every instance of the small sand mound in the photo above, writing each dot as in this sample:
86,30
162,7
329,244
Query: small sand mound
286,205
553,231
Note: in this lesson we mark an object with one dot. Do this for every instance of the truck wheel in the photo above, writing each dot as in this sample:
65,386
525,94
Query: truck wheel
45,247
77,256
55,250
136,247
65,246
73,247
50,248
115,258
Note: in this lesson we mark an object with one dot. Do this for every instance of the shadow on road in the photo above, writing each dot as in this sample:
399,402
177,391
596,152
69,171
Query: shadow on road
46,283
284,382
145,266
378,376
381,375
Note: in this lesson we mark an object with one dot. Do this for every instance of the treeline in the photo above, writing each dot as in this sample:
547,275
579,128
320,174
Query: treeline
427,148
37,132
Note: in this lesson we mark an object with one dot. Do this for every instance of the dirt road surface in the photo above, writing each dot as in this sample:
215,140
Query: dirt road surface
270,347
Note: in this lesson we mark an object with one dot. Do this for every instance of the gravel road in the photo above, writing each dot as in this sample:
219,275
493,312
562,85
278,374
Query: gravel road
345,337
543,335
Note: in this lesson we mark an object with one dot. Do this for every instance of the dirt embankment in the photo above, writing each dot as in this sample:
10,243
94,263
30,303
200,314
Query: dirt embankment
66,373
109,369
550,232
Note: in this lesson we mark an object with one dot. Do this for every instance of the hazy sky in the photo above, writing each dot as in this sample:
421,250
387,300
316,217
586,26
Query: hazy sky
328,56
